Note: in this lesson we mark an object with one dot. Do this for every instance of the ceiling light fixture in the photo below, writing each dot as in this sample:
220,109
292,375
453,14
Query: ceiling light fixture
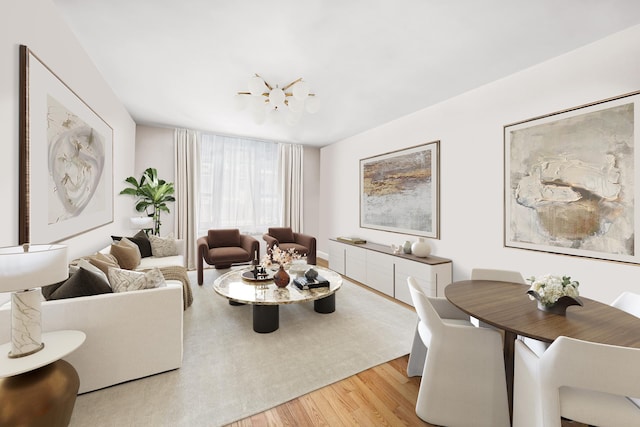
286,103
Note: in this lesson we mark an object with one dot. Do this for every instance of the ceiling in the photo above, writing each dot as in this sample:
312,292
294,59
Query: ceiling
179,63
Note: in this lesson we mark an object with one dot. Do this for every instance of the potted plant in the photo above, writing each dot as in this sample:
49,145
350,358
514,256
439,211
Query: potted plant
151,192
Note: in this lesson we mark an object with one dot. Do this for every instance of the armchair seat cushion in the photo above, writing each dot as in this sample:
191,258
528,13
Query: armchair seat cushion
229,255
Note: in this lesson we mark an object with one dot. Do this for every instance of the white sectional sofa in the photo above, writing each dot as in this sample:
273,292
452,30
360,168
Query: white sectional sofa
130,335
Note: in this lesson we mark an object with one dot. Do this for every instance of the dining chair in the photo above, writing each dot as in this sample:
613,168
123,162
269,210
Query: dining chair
579,380
449,314
463,379
629,302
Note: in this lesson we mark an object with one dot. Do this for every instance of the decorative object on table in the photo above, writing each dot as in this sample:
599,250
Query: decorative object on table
258,273
420,248
554,293
281,278
285,238
406,247
275,255
23,269
66,158
352,240
286,103
151,192
399,191
396,249
571,181
311,274
305,283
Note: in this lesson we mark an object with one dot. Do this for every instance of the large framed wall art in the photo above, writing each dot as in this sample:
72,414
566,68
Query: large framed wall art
572,183
66,156
400,191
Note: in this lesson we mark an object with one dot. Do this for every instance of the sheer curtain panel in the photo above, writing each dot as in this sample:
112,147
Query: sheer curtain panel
187,174
291,186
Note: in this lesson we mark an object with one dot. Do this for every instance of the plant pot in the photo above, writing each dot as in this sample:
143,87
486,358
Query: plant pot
560,306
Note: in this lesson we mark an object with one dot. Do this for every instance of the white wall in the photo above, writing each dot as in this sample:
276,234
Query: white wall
470,128
38,25
154,148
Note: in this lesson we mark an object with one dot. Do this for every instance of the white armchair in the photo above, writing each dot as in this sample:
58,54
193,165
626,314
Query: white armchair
579,380
463,381
629,302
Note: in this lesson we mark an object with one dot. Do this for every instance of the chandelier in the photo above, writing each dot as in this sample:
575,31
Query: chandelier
286,103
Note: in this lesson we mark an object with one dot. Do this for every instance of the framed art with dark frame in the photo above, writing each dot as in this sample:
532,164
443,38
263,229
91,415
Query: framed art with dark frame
400,191
571,181
66,158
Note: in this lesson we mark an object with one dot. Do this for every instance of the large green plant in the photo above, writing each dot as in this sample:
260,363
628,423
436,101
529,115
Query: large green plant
151,192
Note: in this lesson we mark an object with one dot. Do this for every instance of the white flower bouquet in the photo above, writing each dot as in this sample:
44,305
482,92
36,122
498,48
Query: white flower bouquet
548,289
276,255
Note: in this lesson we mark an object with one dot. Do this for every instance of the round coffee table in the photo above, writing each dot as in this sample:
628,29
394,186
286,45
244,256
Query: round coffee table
267,298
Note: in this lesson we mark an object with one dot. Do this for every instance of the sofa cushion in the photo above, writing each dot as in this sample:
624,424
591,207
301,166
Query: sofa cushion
103,262
81,283
282,234
163,246
223,238
127,253
126,280
142,240
166,261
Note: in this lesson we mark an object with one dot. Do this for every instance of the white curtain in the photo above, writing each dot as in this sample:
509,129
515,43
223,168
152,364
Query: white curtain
291,185
187,176
239,185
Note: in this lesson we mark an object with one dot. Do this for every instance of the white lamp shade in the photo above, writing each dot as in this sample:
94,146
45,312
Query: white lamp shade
300,90
295,105
241,101
257,86
141,222
41,265
276,97
312,104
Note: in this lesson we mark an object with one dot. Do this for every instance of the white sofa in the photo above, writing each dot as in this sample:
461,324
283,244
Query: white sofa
130,335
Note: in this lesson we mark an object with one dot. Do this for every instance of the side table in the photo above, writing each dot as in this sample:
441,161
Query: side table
40,389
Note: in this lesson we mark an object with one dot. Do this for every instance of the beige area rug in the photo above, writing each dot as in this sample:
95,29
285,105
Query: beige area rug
230,372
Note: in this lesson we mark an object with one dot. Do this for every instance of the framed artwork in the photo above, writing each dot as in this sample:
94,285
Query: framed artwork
571,181
66,158
400,191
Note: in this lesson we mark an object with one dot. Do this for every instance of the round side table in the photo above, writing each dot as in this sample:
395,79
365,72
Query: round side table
40,389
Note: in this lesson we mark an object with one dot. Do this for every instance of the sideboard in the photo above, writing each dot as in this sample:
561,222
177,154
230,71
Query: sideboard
378,267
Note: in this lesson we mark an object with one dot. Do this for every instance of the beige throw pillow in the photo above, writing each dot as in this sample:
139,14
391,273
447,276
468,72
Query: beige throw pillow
163,246
127,253
127,280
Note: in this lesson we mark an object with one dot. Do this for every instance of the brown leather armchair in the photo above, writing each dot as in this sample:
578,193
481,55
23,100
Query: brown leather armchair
224,247
286,239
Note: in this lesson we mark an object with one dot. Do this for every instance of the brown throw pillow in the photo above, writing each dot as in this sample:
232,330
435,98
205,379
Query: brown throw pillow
103,261
127,253
80,284
282,234
140,239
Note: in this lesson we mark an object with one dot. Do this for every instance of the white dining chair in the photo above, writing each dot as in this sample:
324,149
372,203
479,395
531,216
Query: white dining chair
583,381
463,379
629,302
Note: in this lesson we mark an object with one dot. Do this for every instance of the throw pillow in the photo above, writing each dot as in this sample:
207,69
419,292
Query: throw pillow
163,246
127,280
103,262
127,253
83,263
282,234
140,239
82,283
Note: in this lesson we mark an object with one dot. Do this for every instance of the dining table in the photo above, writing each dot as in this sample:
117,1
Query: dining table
507,306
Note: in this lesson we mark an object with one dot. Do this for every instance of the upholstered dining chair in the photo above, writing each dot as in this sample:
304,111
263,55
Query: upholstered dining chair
629,302
285,238
463,380
583,381
224,247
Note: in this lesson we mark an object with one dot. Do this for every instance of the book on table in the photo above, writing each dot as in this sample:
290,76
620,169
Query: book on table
354,240
304,283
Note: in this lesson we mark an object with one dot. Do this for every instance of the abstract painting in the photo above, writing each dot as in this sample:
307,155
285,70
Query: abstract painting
66,158
571,181
399,191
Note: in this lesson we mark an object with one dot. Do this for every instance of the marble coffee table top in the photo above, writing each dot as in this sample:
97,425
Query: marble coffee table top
231,285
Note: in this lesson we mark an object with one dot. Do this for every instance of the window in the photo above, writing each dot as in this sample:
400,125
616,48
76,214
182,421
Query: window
239,184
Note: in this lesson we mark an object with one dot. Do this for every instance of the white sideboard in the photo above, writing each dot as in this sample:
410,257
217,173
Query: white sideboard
379,268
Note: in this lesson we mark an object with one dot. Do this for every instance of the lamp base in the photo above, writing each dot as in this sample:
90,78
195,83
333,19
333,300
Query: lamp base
13,355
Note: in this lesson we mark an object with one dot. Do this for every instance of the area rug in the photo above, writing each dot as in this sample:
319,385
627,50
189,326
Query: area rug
230,372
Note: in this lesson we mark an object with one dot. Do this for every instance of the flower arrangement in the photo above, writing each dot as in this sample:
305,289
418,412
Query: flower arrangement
276,255
548,289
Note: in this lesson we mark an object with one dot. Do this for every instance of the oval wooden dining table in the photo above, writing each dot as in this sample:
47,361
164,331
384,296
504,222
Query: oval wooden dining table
507,306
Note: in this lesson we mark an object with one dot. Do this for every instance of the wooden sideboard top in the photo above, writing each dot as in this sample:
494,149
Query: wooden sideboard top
386,249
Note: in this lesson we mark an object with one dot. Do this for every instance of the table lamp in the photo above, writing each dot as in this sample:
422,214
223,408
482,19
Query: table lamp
23,269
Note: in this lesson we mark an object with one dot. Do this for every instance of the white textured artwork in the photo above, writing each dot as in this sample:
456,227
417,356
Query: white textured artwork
76,164
571,184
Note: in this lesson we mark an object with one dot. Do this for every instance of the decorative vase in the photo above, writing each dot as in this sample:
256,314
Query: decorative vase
406,247
421,248
559,307
281,278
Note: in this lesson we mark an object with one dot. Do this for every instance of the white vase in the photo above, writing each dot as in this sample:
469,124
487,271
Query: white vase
421,248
